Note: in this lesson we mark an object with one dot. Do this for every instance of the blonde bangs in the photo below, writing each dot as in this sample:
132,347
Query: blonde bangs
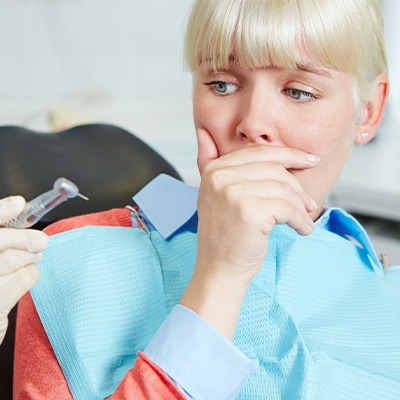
260,33
251,32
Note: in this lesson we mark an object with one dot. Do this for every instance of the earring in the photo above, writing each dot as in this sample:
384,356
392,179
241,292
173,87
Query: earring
364,135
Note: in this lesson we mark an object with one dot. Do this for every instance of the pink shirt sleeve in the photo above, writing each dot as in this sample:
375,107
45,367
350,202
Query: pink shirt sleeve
38,376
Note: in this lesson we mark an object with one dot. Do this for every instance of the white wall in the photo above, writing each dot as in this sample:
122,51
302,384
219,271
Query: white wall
121,48
117,61
391,11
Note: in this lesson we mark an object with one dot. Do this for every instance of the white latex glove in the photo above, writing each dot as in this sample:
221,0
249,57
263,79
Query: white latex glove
20,252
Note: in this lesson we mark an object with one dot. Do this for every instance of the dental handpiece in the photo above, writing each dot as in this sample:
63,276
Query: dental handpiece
63,189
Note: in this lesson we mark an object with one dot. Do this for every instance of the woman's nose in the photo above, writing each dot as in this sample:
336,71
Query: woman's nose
258,122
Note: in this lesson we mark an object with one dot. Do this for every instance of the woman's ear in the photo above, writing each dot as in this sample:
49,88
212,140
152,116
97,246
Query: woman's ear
374,110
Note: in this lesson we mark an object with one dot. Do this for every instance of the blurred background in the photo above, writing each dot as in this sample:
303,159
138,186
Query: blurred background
67,62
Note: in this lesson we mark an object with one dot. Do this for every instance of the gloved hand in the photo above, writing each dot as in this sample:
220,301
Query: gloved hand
20,251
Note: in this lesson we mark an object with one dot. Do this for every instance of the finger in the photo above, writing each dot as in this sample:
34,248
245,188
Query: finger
11,207
288,157
280,175
283,212
11,260
273,203
206,147
263,174
14,286
272,190
23,239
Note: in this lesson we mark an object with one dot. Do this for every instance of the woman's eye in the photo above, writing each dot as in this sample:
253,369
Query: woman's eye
221,87
300,95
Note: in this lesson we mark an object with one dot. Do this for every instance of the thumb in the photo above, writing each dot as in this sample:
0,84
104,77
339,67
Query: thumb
206,148
11,207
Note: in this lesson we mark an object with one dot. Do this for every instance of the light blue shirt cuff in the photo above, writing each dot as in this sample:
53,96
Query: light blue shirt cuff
200,360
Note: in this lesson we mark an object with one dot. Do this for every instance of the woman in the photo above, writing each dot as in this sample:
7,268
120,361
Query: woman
282,91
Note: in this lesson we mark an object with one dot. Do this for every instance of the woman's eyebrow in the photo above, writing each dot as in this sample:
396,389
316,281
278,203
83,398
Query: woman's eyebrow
313,70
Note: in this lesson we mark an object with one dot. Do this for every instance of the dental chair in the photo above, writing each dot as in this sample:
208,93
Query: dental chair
107,163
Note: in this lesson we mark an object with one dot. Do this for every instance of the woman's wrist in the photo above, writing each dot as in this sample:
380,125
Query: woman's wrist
217,297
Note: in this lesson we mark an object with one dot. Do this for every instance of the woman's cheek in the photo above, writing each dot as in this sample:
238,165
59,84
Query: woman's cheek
220,124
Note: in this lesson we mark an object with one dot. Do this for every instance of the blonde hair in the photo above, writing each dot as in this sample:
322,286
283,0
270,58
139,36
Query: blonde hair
346,35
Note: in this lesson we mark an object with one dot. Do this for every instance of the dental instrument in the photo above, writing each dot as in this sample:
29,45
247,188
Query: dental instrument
63,189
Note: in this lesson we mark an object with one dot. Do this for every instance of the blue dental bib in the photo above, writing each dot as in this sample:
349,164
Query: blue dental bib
320,319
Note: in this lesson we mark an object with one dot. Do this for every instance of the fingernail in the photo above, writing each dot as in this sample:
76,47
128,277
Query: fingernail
38,241
5,205
310,223
313,158
314,203
7,200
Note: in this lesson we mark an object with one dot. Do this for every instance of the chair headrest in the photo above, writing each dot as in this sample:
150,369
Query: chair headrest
106,162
